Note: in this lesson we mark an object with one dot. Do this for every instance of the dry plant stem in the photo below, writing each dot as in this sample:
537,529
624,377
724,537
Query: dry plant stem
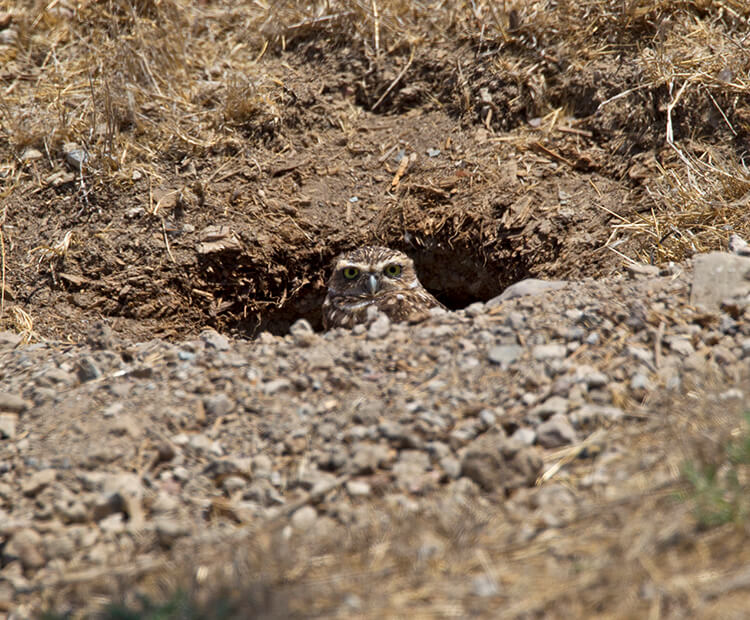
2,260
396,81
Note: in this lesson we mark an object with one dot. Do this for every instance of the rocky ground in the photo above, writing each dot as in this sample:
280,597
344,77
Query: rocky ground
484,461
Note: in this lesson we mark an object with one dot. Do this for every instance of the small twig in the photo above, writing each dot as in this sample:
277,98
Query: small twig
396,81
552,154
670,131
724,116
377,27
624,93
2,260
578,132
166,240
657,344
318,20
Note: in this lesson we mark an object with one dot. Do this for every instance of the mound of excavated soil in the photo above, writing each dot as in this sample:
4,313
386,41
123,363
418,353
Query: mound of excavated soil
456,464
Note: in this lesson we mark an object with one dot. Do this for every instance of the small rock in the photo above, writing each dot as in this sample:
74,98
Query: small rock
214,340
640,383
591,414
358,488
593,339
484,586
304,518
31,154
504,354
475,309
217,405
9,340
555,432
737,245
552,406
496,463
530,286
87,370
379,328
276,385
717,276
12,403
75,156
549,351
113,523
451,466
164,504
367,458
168,531
24,546
526,436
595,379
38,481
680,345
8,423
233,484
320,359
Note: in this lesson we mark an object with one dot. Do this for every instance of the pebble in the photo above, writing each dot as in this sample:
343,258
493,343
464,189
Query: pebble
496,463
555,432
8,424
552,406
25,546
214,340
590,414
168,531
217,405
12,403
87,369
276,385
524,435
522,288
304,518
504,355
549,351
379,328
38,481
358,488
31,154
75,155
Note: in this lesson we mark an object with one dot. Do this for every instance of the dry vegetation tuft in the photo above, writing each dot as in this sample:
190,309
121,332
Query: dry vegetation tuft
140,83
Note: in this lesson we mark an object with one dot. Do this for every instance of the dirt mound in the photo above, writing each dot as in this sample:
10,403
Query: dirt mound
210,180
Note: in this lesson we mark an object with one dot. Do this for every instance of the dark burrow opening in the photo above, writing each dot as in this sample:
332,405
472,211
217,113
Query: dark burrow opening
457,276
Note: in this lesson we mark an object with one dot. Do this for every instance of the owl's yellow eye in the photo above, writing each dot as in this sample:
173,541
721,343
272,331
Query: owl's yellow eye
350,273
393,270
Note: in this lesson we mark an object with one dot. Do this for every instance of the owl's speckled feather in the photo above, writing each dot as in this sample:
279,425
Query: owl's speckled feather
379,277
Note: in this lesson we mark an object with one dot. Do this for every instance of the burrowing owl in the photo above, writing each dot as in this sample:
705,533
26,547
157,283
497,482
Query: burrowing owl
374,276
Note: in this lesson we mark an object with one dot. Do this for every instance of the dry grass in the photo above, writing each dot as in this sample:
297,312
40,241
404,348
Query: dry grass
90,73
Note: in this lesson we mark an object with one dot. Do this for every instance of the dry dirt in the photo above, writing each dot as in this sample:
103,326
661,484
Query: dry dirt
229,151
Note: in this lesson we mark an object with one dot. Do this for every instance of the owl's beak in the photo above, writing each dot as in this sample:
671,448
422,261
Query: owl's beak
373,283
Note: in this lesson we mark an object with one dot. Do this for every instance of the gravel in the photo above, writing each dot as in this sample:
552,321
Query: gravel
114,457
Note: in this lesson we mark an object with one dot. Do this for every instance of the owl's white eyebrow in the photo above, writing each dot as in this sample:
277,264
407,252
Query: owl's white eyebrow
348,265
384,263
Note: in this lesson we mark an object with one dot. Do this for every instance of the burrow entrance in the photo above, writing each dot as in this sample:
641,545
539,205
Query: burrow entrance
292,286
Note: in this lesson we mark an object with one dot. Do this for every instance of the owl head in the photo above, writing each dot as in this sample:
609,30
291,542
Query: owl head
371,271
